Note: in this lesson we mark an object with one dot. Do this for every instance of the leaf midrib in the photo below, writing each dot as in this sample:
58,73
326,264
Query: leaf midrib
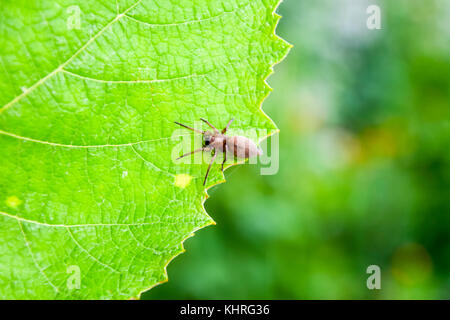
81,225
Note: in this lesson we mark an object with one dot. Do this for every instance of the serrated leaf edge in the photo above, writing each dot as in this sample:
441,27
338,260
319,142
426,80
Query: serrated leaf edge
223,180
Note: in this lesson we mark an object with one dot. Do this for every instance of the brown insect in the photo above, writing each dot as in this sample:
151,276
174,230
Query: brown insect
240,147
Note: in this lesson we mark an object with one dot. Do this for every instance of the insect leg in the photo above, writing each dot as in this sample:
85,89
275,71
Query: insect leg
224,156
209,124
209,167
189,153
228,125
195,130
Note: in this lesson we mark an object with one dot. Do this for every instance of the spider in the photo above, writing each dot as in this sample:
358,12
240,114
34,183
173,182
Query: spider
239,146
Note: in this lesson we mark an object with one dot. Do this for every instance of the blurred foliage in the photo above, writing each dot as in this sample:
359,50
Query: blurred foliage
364,167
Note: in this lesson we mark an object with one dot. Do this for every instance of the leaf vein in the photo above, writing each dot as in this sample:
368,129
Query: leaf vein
73,74
60,68
153,25
87,225
55,144
89,254
34,259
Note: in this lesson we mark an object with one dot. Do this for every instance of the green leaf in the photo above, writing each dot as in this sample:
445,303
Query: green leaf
87,185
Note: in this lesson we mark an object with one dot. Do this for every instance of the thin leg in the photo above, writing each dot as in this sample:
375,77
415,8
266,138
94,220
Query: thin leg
192,152
209,124
224,156
195,130
209,167
228,125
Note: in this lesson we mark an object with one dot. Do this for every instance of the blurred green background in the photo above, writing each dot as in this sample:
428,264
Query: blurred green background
364,167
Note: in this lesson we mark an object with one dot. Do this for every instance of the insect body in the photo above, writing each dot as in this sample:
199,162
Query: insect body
240,147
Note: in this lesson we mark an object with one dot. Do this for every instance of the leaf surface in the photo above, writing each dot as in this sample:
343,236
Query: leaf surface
87,178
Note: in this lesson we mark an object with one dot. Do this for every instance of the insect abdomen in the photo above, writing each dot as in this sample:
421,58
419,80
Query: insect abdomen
242,147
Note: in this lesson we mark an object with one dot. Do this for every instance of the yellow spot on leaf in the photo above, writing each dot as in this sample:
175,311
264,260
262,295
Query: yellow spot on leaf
182,180
13,201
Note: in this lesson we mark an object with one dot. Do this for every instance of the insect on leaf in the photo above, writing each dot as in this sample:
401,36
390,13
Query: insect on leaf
92,204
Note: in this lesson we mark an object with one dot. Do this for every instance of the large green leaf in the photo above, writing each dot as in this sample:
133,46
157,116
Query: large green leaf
87,180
